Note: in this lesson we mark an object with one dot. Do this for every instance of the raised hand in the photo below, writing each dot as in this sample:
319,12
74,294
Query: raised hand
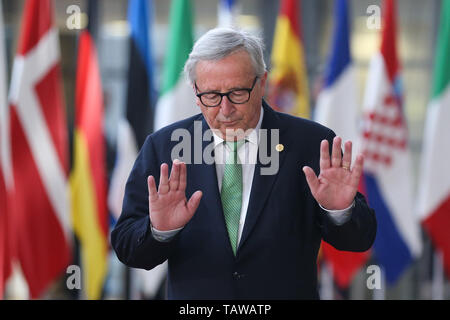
168,206
337,184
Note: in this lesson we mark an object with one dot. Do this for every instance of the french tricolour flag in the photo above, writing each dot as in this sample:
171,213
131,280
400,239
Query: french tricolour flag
387,170
337,108
337,104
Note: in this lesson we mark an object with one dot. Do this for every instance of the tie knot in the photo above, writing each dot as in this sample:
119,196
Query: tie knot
234,145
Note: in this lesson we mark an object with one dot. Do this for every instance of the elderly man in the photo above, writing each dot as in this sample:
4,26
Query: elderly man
228,229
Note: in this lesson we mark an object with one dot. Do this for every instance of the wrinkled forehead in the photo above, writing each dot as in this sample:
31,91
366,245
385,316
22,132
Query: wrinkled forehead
233,68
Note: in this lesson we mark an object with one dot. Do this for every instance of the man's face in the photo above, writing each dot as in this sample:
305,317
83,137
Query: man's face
233,72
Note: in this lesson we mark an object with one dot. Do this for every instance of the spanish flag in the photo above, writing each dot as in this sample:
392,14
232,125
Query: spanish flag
88,177
288,83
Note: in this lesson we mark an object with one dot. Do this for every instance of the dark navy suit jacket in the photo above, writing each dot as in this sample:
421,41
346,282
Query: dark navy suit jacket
276,257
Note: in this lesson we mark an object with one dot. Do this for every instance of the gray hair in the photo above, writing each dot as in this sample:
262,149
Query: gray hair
219,43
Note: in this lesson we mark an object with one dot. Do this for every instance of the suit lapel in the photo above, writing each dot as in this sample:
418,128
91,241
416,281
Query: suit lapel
262,184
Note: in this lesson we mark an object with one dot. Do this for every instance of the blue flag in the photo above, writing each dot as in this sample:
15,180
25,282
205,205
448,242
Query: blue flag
137,122
142,95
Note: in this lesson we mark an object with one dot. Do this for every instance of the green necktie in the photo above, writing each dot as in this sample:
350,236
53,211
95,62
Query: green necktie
231,193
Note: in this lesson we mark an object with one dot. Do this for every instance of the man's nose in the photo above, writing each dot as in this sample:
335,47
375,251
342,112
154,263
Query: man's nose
226,107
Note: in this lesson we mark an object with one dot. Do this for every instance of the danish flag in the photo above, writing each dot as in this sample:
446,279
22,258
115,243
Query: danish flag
39,207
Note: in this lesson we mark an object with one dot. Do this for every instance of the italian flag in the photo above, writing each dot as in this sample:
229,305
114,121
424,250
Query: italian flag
177,99
434,183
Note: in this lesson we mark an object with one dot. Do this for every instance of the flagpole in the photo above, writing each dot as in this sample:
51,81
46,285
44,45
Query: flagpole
438,280
326,282
380,294
16,287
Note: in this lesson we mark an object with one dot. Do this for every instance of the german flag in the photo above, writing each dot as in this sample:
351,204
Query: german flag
288,83
88,178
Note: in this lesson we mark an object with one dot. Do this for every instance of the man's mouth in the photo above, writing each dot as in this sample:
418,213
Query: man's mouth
229,123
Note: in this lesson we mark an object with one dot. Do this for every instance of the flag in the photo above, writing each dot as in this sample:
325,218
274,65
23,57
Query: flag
337,108
137,122
39,207
5,164
288,84
434,181
337,103
387,172
227,12
177,100
88,176
5,263
134,127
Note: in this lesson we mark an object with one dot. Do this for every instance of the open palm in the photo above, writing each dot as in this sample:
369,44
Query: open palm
337,183
168,206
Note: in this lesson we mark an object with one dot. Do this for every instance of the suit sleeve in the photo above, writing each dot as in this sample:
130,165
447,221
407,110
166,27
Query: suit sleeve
357,234
132,238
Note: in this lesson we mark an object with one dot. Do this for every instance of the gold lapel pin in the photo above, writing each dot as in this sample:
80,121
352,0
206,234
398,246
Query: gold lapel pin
279,147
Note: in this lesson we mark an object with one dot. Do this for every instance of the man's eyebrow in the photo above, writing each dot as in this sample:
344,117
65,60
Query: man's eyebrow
238,88
211,91
218,91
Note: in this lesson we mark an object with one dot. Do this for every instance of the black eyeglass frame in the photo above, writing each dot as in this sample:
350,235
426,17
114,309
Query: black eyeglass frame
227,94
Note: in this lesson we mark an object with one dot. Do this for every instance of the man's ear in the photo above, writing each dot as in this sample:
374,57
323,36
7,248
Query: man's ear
197,100
263,83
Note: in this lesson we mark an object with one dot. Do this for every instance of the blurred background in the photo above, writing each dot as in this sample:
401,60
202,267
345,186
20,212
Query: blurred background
109,24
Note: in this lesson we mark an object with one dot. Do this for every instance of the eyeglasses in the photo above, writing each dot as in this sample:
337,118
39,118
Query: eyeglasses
237,96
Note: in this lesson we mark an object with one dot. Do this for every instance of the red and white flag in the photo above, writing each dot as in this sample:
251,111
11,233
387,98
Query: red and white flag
387,167
39,207
4,163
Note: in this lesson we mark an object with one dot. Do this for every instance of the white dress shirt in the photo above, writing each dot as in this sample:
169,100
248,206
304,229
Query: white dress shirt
247,154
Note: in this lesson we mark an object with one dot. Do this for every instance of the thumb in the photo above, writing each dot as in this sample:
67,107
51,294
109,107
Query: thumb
194,202
311,179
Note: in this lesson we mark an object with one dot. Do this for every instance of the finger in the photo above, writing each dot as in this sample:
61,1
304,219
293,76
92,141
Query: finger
182,183
164,180
324,155
357,170
174,180
152,193
347,157
194,202
311,179
336,153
